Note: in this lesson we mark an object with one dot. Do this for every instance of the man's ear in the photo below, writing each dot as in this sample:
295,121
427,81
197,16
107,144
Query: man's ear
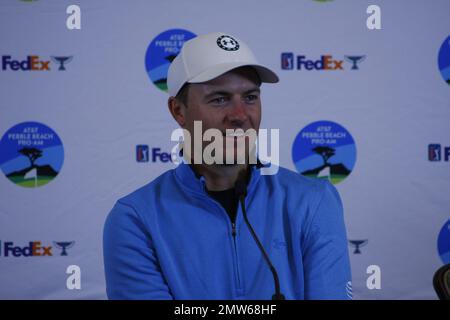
177,110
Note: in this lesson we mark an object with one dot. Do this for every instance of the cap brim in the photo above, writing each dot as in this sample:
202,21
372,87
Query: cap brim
264,73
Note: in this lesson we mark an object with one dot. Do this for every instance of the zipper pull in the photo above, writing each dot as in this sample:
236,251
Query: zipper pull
233,229
202,180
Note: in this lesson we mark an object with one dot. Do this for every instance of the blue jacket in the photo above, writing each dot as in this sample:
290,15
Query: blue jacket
171,240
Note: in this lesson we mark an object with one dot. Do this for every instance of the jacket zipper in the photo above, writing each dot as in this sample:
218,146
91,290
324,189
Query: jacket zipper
233,233
236,260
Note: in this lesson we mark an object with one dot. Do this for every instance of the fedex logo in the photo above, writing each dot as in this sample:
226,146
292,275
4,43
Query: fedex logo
157,154
34,63
31,63
325,62
34,249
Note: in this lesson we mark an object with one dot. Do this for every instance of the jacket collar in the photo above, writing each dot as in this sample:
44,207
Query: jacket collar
191,181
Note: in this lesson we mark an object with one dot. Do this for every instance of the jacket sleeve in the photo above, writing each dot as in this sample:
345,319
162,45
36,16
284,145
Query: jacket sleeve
325,255
132,270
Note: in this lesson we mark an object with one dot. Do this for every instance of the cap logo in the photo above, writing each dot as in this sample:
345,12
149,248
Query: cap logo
227,43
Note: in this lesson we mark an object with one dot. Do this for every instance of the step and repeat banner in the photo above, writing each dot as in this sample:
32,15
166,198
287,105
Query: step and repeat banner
363,100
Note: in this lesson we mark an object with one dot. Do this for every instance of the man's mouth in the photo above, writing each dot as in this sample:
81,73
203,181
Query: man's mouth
234,134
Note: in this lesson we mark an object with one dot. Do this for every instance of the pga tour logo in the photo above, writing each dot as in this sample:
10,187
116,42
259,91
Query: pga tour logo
438,153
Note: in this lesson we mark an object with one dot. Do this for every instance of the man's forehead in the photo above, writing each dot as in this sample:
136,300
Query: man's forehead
242,79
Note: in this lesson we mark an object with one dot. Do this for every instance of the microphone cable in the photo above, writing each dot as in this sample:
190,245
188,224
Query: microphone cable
241,192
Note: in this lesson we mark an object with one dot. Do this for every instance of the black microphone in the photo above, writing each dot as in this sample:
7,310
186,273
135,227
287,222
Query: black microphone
241,192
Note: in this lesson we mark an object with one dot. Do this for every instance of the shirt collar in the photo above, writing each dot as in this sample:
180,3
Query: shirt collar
191,181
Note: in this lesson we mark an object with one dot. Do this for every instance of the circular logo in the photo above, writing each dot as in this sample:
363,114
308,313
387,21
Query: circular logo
444,60
161,52
31,154
228,43
444,243
325,150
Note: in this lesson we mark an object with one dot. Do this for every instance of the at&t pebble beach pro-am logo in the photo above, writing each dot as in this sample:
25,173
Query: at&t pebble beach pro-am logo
161,52
444,60
444,243
326,150
31,154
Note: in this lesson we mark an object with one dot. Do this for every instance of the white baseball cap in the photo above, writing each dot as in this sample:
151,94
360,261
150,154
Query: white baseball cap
208,56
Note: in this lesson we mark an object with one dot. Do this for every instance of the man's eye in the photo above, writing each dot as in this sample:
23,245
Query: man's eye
251,97
219,100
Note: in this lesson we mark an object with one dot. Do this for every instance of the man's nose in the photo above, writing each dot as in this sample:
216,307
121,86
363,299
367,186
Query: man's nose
238,111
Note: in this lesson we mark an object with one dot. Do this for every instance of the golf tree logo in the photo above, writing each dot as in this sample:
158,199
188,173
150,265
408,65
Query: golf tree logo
31,154
161,52
325,150
444,60
444,243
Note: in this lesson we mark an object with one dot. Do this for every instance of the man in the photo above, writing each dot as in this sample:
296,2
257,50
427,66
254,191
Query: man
194,232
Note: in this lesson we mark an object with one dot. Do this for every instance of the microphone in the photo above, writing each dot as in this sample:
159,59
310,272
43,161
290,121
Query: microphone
241,192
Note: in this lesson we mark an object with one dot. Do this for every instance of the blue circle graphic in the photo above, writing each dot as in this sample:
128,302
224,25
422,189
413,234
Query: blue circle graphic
324,149
444,60
31,154
161,52
444,243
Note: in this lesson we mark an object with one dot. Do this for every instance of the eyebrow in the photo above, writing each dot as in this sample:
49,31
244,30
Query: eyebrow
227,93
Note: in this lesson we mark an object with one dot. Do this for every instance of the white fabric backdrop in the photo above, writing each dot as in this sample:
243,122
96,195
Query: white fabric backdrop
104,104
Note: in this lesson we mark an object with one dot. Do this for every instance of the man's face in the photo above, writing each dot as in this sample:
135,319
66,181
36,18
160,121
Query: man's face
230,101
